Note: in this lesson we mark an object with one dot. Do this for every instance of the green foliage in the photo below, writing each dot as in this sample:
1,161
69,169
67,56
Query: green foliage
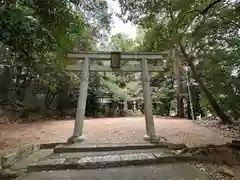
122,43
35,35
31,31
204,32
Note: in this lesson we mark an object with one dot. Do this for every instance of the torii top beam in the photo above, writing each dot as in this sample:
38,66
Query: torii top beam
107,56
124,55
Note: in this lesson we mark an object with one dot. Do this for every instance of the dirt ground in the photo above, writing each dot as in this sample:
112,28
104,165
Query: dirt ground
108,130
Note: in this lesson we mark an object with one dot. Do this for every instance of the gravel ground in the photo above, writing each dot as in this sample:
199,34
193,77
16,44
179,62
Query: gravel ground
231,131
110,130
220,172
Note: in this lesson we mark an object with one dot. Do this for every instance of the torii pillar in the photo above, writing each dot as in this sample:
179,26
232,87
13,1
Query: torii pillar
81,106
148,109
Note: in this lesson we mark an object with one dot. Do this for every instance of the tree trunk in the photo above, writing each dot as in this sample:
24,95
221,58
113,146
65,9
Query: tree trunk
225,119
178,75
167,107
180,104
189,116
5,84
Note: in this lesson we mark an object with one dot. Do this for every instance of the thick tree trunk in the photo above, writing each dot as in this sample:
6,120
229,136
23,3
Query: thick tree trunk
189,116
167,107
178,75
225,119
180,104
5,84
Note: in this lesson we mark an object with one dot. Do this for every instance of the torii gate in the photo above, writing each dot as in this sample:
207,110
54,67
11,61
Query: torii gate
83,64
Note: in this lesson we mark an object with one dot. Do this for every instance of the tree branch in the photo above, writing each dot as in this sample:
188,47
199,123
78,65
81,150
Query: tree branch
210,6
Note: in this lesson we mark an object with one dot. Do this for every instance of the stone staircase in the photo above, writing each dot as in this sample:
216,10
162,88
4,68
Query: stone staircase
102,161
93,156
83,156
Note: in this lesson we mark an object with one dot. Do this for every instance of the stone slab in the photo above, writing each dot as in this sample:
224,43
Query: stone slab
105,162
51,161
106,159
99,159
78,147
176,146
39,155
147,145
115,160
71,160
179,171
136,156
112,145
102,153
50,164
10,157
168,157
163,154
51,145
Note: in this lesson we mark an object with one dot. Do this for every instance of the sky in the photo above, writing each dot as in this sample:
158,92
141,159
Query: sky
118,25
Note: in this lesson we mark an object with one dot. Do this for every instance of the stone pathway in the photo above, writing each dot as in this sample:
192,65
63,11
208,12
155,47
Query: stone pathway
109,161
177,171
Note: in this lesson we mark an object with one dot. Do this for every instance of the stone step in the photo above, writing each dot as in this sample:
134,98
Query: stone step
78,155
10,157
106,147
106,161
176,171
39,155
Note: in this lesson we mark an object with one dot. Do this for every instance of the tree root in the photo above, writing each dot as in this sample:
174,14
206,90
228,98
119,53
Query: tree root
220,154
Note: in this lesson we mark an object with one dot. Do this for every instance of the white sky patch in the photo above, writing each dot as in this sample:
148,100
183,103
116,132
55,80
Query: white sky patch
118,26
